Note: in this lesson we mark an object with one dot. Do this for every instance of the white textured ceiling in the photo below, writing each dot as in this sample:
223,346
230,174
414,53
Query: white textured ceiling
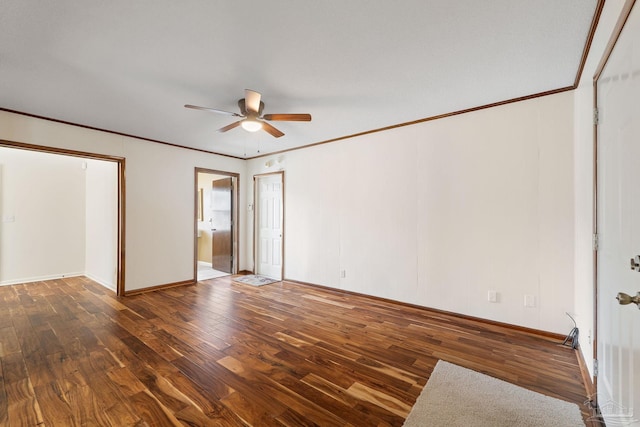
354,65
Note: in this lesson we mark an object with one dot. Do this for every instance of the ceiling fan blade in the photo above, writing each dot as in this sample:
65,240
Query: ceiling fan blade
213,110
288,117
270,129
229,127
252,100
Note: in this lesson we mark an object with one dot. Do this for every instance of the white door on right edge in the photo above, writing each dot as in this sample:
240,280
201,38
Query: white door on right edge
269,226
618,329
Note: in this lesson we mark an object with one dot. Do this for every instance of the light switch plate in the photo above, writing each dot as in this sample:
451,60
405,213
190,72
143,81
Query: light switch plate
492,296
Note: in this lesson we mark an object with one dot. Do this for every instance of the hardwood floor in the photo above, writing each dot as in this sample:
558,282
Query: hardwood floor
226,354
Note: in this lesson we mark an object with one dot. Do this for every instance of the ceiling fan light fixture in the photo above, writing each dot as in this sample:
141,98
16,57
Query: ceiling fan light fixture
251,118
251,125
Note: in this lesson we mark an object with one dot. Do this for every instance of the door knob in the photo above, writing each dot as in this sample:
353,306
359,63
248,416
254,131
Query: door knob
624,299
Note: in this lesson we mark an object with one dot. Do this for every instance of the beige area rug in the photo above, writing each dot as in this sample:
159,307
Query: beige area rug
456,396
254,280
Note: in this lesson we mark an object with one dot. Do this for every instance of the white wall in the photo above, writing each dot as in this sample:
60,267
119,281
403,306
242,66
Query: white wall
583,147
42,196
438,213
101,250
159,199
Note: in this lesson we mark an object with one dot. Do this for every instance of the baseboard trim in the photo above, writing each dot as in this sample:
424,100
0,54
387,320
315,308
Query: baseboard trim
591,400
39,279
170,285
531,331
586,375
101,282
158,287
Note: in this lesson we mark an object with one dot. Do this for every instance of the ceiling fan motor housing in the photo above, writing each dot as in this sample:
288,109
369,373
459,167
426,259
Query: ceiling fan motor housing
243,108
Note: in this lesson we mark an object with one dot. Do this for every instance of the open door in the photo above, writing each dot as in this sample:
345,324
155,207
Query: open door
215,224
269,222
618,229
222,225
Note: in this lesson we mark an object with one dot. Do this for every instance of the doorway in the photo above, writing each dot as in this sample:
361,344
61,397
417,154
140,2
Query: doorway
216,195
91,220
269,225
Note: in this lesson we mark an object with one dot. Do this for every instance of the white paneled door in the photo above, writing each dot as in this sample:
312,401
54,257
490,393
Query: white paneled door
269,225
618,337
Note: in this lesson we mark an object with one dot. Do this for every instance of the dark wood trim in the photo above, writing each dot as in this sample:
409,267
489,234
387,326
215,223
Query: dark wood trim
587,46
244,272
615,35
273,153
121,238
284,223
426,119
613,40
236,218
122,211
255,219
195,227
56,150
64,122
530,331
260,175
158,287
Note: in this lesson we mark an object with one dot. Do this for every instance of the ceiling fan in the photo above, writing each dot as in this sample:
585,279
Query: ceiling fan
252,118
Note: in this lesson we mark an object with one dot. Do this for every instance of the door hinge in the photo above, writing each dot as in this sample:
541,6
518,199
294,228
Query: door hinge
596,242
596,117
595,367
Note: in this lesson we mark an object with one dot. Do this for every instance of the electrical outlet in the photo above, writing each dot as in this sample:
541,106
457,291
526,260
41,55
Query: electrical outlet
343,274
492,296
529,301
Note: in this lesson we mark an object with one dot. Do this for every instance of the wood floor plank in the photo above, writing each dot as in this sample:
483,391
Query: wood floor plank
56,409
8,341
4,399
22,406
152,411
249,411
224,354
379,398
